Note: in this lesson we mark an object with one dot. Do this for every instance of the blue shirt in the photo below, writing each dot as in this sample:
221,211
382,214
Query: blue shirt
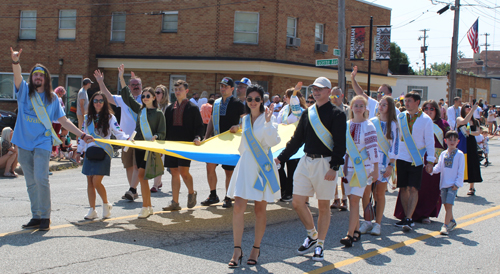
30,132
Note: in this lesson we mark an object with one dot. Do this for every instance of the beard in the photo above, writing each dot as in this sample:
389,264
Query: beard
37,85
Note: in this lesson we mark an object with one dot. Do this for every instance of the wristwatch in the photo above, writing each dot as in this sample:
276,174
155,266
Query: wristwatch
336,167
391,164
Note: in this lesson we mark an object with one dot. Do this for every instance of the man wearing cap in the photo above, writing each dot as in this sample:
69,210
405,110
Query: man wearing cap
241,88
225,116
83,101
322,130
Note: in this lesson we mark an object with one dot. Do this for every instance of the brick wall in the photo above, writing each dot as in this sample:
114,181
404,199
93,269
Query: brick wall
466,82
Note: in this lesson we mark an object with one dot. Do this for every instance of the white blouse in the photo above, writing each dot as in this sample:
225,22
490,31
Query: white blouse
114,128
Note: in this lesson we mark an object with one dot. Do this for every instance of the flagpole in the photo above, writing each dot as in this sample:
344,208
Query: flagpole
454,58
370,56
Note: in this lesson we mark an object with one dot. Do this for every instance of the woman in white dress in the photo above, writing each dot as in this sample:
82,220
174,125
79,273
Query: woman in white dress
248,177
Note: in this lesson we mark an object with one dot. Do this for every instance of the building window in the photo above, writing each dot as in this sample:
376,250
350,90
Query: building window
170,21
67,24
118,27
459,92
173,79
319,33
246,27
73,85
27,29
423,91
7,89
291,27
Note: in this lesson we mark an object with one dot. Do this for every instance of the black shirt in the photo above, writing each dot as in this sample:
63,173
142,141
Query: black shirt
333,119
235,109
192,124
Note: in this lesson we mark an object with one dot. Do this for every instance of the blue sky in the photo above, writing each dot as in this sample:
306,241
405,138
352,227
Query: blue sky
423,12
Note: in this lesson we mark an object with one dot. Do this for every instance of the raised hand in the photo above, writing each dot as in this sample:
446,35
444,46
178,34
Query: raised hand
132,74
15,54
99,76
354,72
298,87
121,70
269,112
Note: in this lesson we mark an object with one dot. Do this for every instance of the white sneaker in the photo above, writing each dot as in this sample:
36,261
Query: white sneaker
365,227
444,230
91,215
375,230
106,210
145,212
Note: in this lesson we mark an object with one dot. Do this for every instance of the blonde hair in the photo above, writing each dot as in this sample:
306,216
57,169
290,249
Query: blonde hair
355,98
6,131
204,94
166,98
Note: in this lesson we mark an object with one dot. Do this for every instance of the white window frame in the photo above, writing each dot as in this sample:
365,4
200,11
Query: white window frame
322,33
21,19
61,29
294,27
163,21
246,32
25,77
112,30
173,79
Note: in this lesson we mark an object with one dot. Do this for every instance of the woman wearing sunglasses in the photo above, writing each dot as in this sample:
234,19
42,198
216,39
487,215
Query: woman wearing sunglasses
429,202
150,126
255,176
100,123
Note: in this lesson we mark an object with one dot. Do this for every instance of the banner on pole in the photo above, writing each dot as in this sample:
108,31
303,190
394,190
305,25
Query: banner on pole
357,43
383,43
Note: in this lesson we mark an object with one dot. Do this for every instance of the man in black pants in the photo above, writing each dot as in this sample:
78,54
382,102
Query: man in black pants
225,116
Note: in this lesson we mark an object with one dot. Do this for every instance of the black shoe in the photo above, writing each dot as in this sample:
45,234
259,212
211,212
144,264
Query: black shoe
308,245
318,254
407,224
233,264
286,198
400,223
44,224
210,201
347,241
33,223
227,203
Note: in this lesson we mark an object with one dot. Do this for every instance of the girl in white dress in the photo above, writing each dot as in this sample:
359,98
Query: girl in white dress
364,135
247,176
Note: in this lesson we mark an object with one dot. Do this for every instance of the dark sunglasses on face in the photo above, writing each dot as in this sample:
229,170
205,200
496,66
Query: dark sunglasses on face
466,106
146,96
100,101
250,99
310,102
429,108
158,92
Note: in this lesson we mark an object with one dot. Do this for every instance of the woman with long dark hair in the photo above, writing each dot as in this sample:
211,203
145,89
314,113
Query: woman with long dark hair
99,123
150,126
249,181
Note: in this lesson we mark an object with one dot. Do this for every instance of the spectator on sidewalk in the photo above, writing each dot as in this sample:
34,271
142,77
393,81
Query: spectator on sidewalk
60,92
82,101
8,153
203,99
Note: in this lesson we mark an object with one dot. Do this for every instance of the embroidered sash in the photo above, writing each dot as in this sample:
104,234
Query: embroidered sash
357,158
415,153
323,134
216,115
284,118
263,159
42,115
107,147
296,109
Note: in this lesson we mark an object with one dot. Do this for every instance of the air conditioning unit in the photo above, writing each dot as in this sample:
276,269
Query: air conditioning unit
321,48
292,42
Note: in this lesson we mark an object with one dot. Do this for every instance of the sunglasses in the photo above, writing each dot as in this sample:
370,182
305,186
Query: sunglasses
158,92
431,109
334,96
310,102
146,96
467,106
256,99
100,101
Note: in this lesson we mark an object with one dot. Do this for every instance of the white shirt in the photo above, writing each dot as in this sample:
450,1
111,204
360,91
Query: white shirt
477,113
114,128
452,116
453,175
201,102
276,106
292,116
194,101
372,107
127,121
423,136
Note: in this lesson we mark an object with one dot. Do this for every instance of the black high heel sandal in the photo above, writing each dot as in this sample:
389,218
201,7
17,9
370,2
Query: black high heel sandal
356,236
347,241
233,264
252,261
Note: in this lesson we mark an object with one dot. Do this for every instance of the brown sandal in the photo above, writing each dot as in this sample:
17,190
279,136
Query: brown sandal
336,204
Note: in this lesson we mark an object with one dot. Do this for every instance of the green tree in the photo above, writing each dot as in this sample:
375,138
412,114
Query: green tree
398,57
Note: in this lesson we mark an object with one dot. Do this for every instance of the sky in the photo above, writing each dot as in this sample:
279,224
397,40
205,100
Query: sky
406,32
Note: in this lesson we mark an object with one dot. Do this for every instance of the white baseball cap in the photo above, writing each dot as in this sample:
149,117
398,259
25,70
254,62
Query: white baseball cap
322,82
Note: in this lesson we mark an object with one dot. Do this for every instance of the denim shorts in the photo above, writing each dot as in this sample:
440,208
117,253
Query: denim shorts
448,195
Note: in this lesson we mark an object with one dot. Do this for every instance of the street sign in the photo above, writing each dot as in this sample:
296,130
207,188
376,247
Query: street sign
336,52
327,62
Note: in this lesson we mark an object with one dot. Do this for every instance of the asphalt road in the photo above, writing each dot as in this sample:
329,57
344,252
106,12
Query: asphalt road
199,240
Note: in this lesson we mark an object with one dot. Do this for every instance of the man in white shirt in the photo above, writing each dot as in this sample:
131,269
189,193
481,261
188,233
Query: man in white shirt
128,120
453,112
194,98
417,130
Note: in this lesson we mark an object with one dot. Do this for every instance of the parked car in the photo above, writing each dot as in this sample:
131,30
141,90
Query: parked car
7,119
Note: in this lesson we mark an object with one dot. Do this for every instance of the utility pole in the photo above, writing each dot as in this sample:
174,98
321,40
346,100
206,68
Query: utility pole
423,49
454,59
342,46
486,52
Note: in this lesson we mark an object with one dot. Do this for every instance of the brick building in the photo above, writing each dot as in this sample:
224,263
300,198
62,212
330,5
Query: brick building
199,41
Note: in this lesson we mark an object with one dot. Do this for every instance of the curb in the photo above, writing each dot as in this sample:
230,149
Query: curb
53,166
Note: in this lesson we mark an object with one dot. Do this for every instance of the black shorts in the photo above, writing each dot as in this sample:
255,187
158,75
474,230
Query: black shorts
226,167
409,175
139,158
174,162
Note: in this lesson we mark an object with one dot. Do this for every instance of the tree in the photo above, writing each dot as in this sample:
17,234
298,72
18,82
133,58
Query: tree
436,69
398,57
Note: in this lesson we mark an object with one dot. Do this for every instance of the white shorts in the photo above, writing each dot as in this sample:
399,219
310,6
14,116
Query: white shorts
354,190
309,179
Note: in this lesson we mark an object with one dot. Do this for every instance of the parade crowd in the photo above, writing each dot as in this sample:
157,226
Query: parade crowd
424,149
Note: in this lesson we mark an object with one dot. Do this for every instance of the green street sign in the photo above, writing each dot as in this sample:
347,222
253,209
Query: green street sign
327,62
336,52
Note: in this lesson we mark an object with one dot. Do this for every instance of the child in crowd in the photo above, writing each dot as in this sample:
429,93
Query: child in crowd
66,149
451,165
483,144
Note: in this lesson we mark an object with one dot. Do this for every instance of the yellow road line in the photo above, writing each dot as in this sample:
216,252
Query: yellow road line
405,243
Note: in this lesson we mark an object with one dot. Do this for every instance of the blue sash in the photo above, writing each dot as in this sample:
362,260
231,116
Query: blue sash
438,132
134,115
323,134
382,141
357,158
42,115
284,118
267,172
216,115
415,153
107,147
145,129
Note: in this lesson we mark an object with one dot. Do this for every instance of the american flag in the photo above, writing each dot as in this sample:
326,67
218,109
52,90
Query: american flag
472,35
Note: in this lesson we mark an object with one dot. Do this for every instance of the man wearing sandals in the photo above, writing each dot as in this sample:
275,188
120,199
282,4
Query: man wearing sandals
322,129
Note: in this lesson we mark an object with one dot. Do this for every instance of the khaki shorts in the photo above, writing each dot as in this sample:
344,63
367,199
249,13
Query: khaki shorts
128,158
309,179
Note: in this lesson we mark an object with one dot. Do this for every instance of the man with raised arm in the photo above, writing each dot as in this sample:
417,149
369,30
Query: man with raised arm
34,135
